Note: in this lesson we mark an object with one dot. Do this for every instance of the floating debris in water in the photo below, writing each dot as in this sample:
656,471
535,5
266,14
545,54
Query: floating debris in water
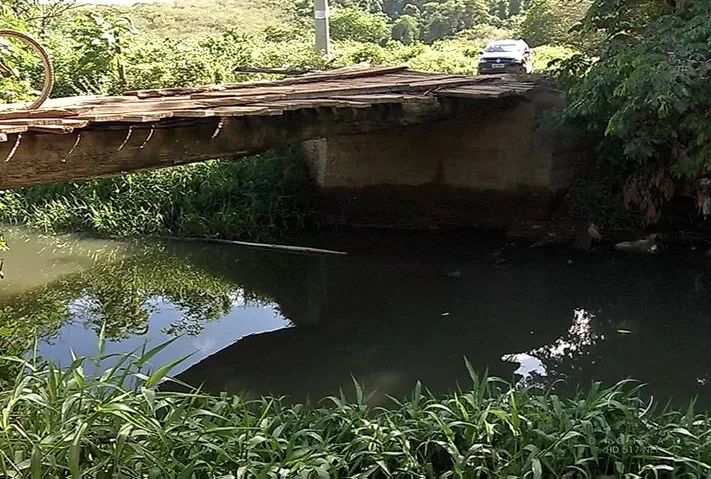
624,331
647,245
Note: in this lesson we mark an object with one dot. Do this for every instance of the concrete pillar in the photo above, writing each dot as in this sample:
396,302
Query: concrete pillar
323,40
497,164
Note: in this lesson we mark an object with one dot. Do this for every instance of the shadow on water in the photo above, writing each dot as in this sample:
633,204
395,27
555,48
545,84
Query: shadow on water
399,308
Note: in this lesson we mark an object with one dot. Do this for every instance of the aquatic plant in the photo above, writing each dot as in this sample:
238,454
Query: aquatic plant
120,423
260,197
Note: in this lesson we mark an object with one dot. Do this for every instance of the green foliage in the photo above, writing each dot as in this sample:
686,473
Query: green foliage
647,98
600,201
59,422
406,29
549,22
260,197
89,54
547,57
192,20
442,20
358,25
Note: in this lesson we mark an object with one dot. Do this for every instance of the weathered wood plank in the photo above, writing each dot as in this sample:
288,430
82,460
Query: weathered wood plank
245,111
46,121
134,117
9,129
388,98
41,113
56,129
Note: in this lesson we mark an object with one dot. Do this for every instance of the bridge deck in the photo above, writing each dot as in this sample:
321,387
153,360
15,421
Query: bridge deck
78,138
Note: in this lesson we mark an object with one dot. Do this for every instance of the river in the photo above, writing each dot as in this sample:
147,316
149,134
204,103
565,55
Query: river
398,308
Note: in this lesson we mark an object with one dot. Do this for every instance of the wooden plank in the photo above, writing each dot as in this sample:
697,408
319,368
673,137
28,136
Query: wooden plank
311,104
193,113
102,100
342,73
32,121
48,113
244,111
388,98
57,129
267,109
437,83
46,121
453,93
9,129
137,117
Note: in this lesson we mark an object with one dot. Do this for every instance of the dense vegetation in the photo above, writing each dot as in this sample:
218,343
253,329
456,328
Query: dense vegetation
71,423
260,197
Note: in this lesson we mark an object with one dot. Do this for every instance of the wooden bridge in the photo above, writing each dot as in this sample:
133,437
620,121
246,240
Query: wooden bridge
79,138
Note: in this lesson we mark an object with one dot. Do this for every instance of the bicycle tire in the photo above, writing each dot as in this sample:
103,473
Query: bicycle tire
46,62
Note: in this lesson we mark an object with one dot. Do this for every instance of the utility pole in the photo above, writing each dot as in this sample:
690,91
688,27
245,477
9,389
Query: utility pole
323,40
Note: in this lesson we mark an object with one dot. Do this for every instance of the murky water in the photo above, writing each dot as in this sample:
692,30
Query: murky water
398,308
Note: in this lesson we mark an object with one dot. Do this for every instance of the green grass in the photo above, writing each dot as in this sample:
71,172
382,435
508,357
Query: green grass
260,197
67,423
190,19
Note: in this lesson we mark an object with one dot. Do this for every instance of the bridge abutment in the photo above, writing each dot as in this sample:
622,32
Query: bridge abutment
497,165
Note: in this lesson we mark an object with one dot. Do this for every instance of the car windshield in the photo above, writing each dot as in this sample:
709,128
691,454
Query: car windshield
503,47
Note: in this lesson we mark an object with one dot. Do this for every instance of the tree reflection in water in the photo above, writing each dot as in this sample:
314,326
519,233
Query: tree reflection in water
121,297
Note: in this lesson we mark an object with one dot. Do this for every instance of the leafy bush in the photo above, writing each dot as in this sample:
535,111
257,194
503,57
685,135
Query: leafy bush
546,57
74,422
357,25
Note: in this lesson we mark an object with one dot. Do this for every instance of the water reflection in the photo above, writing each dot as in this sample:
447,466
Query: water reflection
545,361
399,308
240,322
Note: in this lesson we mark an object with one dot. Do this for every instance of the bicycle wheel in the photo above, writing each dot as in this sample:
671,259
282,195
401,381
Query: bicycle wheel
25,63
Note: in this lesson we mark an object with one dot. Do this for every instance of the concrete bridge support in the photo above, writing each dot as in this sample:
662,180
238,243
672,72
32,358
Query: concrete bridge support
498,166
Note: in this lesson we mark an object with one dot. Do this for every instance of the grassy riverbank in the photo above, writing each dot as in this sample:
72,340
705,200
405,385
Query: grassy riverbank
61,423
260,197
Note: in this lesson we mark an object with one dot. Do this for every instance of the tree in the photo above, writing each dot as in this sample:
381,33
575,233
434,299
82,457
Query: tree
443,19
40,14
647,99
359,25
406,29
499,8
372,6
550,21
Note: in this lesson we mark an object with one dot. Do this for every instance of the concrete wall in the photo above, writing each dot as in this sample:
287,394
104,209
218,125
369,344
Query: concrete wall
499,151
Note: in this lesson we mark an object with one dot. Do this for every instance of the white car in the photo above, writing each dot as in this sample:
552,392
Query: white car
506,56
